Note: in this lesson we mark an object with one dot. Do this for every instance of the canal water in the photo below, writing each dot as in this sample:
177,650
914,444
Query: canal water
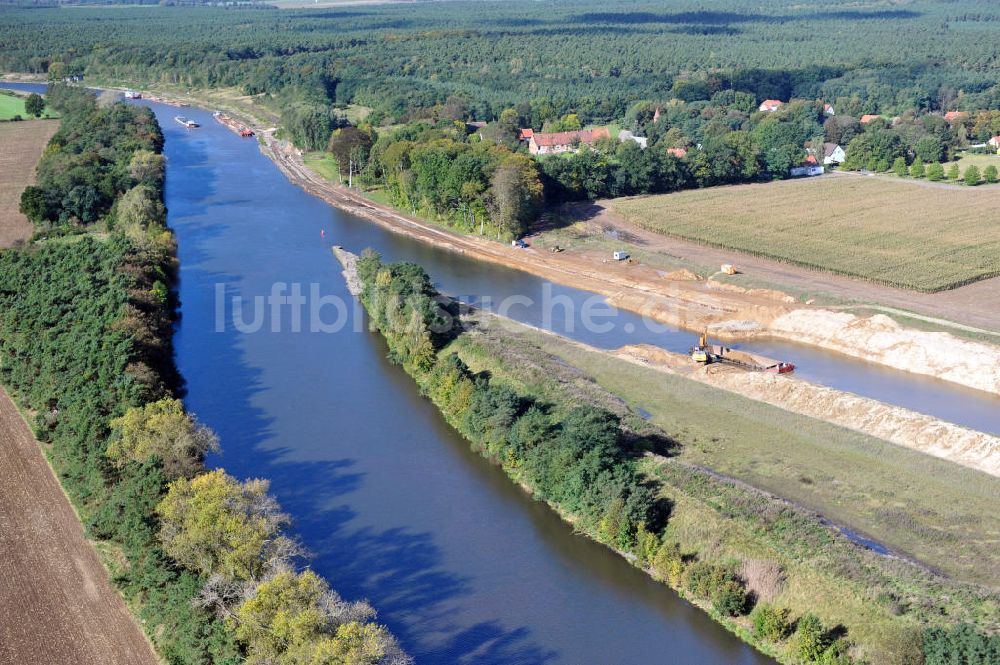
459,562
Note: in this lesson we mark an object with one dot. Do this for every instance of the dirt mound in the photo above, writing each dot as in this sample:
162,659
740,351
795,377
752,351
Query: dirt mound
896,425
880,339
771,294
682,275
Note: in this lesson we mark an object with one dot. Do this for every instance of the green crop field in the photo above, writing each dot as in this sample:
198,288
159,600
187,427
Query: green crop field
13,105
900,234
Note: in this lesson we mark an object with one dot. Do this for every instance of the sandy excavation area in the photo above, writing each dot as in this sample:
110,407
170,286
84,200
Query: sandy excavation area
56,602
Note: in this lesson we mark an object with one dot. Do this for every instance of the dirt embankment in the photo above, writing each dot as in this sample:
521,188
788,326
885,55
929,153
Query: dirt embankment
56,603
897,425
730,312
880,339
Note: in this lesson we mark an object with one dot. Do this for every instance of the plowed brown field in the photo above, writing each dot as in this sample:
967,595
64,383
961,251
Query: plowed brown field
56,603
21,145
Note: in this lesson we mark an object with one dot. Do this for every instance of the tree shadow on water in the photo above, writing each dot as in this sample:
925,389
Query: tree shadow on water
401,571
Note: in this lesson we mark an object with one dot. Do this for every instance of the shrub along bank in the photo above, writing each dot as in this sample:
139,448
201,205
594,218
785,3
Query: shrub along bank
586,456
85,349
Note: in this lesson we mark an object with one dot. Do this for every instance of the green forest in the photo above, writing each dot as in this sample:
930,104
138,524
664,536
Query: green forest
86,320
688,77
577,55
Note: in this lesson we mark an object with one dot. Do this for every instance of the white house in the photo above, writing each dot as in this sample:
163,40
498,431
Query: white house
626,135
828,109
833,154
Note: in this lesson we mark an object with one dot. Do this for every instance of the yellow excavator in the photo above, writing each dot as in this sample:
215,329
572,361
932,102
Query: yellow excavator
699,354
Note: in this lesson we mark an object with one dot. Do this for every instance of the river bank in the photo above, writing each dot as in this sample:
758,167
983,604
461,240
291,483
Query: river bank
706,502
728,311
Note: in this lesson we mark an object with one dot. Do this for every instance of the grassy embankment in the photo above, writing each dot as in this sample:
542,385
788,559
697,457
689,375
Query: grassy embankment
927,508
884,603
921,238
979,161
919,505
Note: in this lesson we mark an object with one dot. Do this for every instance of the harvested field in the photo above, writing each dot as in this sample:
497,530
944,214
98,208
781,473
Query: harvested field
56,603
892,233
21,145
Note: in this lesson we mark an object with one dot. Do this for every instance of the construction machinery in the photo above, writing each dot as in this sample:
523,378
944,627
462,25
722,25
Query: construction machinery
716,353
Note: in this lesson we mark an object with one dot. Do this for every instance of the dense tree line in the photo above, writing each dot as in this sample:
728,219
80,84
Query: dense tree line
99,153
578,56
960,645
85,337
475,185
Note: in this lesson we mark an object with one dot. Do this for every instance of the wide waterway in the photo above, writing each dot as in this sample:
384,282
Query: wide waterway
461,564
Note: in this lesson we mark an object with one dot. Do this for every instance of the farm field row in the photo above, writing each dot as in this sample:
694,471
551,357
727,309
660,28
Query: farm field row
21,144
926,239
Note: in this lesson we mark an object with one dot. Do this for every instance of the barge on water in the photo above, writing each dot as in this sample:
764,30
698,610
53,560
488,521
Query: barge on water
716,353
240,129
187,122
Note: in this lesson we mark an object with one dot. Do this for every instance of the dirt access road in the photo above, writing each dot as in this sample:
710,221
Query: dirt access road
56,603
976,304
21,146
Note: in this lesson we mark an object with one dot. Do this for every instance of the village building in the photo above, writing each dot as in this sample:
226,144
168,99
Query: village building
833,154
955,116
679,153
525,134
557,142
828,109
809,167
868,117
626,135
770,105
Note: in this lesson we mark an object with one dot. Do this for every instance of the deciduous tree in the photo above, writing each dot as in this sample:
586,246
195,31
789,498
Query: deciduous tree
214,524
164,431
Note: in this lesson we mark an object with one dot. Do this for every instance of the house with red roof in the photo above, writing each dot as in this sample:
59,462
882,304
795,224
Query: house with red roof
955,116
679,153
868,117
525,134
556,142
828,109
770,105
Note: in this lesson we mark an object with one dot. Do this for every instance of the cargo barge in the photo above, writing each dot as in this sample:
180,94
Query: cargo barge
242,130
190,124
716,353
